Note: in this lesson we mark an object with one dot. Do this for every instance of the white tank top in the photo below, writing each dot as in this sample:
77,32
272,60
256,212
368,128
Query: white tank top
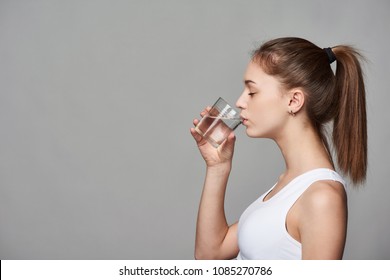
262,232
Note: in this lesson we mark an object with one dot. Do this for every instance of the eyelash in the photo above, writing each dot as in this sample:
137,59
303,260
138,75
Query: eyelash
251,93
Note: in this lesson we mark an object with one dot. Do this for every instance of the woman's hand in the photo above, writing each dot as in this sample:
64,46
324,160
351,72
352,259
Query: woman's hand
214,156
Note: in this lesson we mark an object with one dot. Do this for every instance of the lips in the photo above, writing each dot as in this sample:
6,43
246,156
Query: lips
243,119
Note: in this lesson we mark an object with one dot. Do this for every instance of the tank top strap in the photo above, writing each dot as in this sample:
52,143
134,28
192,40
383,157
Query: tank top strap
301,183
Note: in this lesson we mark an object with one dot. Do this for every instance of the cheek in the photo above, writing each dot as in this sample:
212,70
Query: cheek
267,112
267,120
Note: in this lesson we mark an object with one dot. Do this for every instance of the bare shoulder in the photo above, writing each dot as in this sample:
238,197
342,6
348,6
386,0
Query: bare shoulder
323,195
323,220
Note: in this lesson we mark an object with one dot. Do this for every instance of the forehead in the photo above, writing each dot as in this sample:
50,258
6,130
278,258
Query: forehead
254,73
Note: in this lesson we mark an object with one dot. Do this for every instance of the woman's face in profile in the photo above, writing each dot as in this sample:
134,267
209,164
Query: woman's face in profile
264,107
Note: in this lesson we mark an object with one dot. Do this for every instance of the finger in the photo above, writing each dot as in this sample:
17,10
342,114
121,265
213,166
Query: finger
205,111
230,141
196,135
231,138
195,122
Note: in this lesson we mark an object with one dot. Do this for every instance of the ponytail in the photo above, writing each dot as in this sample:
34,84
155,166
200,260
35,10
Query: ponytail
350,124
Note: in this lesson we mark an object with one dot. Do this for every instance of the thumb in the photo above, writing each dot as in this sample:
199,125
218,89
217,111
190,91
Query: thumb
230,141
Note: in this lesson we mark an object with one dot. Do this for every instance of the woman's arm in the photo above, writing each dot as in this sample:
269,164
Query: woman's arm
215,239
323,222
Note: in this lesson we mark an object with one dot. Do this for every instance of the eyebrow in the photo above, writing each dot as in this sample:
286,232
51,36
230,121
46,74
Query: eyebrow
249,82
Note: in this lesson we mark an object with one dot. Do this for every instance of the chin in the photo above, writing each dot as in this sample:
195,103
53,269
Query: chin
252,134
256,134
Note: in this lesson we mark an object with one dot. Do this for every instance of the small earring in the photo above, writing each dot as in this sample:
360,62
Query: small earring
292,113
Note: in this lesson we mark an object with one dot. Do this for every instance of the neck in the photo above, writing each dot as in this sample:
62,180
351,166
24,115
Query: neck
302,149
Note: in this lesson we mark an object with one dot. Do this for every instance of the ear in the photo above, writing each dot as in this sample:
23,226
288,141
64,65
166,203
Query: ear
296,100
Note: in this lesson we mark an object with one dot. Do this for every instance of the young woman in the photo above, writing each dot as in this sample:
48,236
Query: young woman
290,93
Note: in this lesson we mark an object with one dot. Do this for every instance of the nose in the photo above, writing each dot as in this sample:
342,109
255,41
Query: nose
240,103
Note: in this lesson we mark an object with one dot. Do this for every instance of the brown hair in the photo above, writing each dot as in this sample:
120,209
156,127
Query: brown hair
338,97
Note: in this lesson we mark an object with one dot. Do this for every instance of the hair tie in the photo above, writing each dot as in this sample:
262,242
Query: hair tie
331,56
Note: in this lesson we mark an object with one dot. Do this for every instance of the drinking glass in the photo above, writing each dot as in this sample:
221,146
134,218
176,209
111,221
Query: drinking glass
217,124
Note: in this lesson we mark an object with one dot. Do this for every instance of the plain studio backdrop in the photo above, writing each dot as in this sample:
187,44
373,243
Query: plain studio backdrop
97,99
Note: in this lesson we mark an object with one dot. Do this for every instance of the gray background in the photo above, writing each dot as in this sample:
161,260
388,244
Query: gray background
96,102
